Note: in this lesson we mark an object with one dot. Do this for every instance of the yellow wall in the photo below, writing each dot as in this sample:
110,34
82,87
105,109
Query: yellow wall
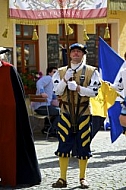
4,23
122,37
90,29
52,29
9,41
121,41
121,15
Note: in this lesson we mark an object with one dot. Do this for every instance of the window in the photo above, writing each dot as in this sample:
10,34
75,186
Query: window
62,34
63,42
100,31
27,49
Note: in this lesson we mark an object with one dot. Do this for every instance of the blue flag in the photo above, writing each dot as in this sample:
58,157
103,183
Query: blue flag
109,65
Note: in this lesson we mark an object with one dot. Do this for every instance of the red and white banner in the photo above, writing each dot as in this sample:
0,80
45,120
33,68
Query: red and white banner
57,9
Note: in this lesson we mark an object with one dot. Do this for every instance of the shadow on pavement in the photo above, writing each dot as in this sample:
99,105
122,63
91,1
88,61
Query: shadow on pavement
106,163
73,163
110,153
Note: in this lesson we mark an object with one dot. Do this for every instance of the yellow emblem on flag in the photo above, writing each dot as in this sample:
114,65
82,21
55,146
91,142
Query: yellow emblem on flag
104,100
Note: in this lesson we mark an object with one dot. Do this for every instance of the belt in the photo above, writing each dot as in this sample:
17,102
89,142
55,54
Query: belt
81,104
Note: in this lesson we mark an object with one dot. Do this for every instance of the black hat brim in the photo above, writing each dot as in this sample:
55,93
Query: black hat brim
84,49
4,51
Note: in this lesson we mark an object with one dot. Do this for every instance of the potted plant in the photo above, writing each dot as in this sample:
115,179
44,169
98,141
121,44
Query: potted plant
29,80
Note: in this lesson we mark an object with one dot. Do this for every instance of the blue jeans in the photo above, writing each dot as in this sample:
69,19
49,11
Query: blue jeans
53,110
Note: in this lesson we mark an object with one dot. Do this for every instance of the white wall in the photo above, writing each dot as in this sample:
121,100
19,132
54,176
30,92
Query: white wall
43,48
115,34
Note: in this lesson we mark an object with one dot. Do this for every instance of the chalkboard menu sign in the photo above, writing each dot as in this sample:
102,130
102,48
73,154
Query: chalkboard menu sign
53,50
92,50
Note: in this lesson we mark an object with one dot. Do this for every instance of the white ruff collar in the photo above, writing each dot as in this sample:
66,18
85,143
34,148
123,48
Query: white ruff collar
75,66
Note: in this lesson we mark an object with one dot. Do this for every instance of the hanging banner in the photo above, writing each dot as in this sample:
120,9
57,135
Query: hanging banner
57,9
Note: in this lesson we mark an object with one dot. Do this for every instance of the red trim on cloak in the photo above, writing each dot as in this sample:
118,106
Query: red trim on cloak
7,128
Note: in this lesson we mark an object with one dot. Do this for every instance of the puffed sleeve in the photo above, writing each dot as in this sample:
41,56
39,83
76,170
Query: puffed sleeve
92,89
59,84
118,84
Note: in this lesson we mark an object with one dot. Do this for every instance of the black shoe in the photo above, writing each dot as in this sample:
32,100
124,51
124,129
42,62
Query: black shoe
59,184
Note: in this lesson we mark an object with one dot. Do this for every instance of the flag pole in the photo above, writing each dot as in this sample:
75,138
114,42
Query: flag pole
120,95
68,51
70,94
68,31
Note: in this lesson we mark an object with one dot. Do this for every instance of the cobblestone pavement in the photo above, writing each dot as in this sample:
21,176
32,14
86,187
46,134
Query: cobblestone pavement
106,169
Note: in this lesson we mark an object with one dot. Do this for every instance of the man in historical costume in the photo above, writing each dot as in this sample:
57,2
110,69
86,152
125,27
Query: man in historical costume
75,86
120,85
18,161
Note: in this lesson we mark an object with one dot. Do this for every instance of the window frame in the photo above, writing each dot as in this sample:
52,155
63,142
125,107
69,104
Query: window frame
22,40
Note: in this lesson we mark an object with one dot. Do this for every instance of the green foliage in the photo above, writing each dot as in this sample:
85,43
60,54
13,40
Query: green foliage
29,79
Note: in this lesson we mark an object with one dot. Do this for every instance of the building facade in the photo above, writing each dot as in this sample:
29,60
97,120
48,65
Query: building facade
28,54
